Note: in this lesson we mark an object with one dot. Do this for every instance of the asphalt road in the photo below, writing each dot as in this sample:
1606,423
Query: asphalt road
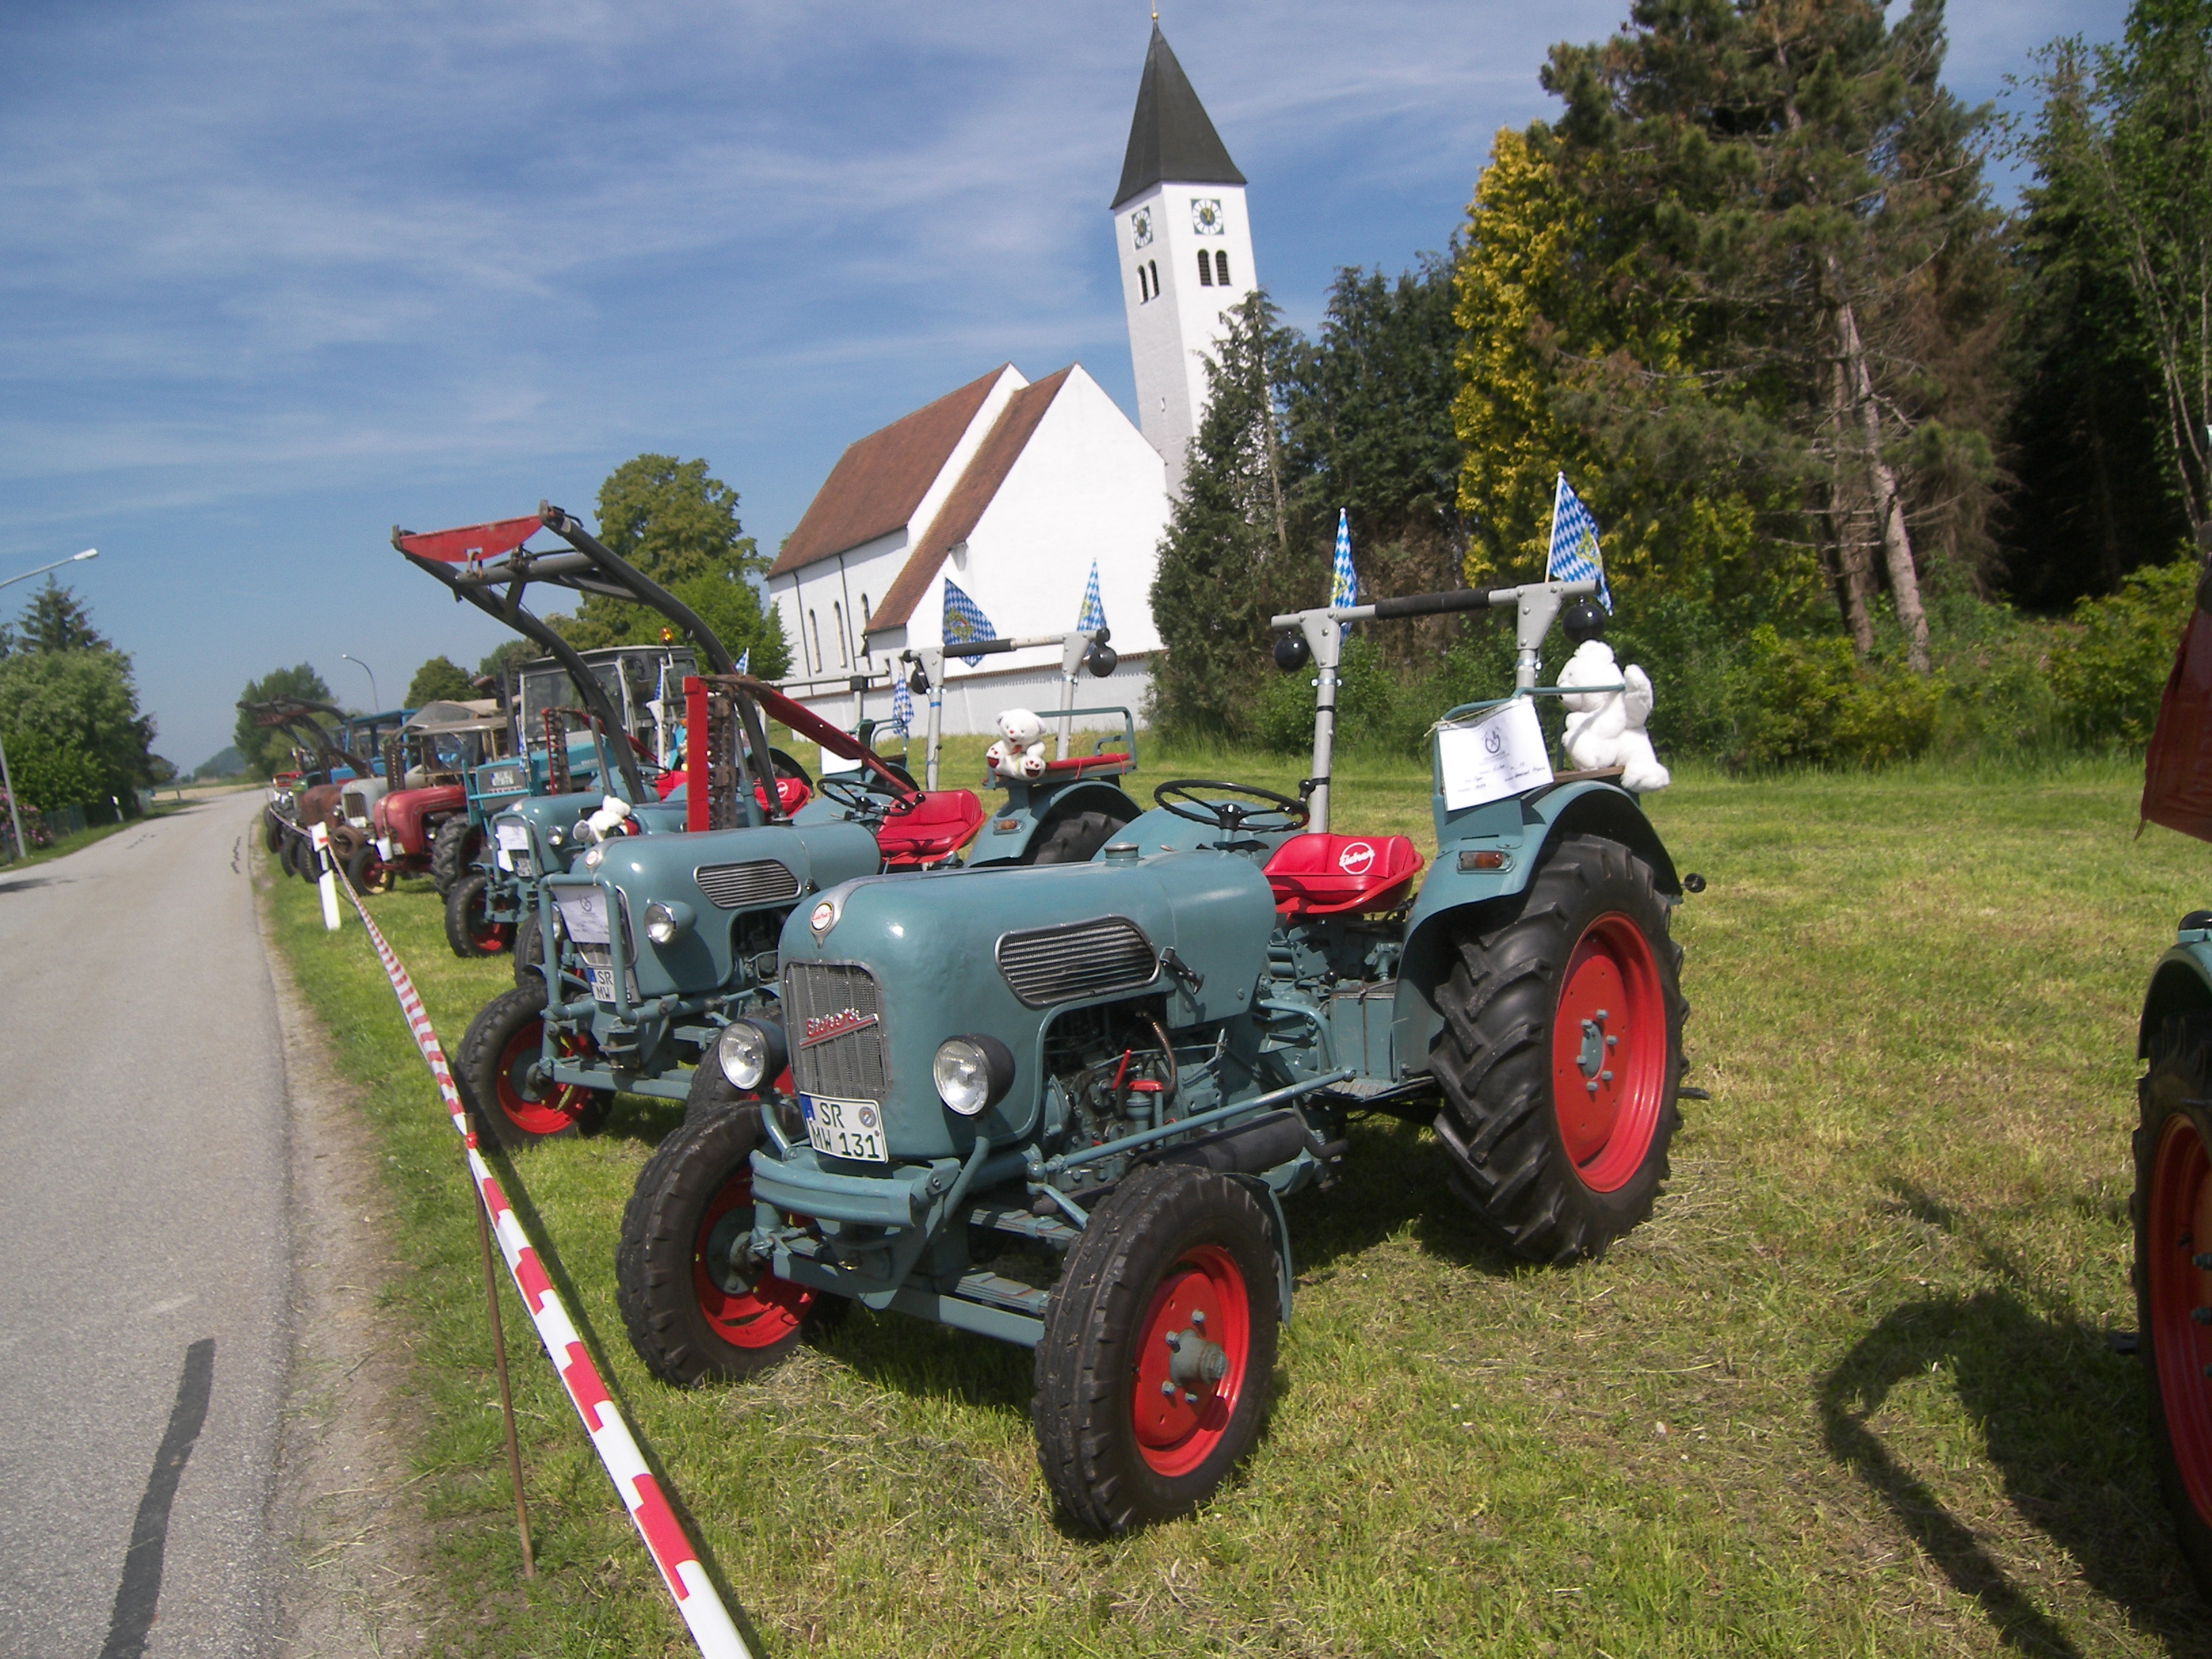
144,1257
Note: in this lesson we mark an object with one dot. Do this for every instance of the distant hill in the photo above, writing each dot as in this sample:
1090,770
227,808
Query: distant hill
227,764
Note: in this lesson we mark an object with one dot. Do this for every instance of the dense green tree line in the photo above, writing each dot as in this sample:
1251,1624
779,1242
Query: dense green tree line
1748,290
69,719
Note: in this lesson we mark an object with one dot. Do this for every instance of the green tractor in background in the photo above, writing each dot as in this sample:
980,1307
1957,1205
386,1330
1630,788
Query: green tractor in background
1061,1106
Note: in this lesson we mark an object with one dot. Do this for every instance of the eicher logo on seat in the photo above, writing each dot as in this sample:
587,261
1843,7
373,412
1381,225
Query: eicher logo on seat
843,1023
1354,859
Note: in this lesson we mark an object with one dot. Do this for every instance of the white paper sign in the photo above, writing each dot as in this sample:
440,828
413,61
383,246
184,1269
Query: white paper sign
1487,759
836,763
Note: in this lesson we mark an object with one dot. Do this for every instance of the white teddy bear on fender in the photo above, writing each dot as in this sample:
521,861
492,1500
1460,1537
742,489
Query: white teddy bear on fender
1019,751
1606,728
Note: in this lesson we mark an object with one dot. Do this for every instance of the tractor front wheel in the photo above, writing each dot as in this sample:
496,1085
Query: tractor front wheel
367,873
453,850
1560,1053
471,927
501,1075
1158,1349
2173,1274
696,1302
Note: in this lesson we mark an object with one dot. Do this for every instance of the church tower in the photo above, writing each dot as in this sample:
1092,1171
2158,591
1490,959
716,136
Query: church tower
1185,248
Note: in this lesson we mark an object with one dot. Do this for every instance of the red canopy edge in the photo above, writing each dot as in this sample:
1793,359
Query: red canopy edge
479,541
2177,766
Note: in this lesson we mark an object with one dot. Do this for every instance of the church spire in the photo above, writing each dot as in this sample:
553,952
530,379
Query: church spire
1171,138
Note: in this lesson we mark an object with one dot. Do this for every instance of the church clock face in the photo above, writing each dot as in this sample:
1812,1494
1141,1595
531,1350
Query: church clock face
1140,226
1206,217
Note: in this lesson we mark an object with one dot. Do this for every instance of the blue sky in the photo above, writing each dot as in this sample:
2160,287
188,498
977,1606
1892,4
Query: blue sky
277,276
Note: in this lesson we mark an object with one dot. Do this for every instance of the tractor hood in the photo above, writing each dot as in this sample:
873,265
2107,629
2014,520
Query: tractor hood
901,963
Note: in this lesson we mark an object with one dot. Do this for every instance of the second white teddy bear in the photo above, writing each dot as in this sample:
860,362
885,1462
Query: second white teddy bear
1019,751
1606,728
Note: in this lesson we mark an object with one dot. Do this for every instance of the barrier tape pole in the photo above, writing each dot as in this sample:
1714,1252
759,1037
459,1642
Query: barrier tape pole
708,1621
320,835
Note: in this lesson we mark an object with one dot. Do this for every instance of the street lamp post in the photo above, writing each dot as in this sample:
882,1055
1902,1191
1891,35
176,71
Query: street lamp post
375,698
15,814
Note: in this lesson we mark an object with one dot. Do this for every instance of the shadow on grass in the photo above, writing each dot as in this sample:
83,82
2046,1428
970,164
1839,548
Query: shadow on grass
2060,1416
1394,1178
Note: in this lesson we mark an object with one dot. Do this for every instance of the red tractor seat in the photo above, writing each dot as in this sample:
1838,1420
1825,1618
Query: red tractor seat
1076,765
930,831
1322,875
793,792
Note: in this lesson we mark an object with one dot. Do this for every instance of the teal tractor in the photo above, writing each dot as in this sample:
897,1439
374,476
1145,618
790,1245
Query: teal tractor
1062,1106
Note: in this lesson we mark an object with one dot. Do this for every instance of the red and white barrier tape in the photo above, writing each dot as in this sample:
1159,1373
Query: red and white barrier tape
708,1621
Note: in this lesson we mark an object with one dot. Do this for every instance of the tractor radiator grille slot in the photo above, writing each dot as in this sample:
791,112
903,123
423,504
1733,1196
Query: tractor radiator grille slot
1083,959
737,886
835,1016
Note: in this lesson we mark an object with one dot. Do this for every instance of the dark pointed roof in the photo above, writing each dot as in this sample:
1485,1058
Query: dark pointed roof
1170,139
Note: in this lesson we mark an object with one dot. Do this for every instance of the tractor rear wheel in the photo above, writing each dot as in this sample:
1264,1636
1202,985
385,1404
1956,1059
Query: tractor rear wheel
1158,1349
471,927
453,850
2173,1274
694,1305
272,832
1072,838
367,873
305,864
1560,1053
502,1079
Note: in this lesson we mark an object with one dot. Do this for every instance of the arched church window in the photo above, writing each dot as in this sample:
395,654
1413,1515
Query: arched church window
1155,266
1204,270
837,618
1144,286
814,627
1220,266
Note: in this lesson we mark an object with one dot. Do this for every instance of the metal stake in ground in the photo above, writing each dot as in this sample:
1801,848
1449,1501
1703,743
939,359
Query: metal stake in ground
506,1397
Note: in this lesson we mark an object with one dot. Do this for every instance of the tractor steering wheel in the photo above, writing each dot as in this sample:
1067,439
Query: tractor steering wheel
1231,818
867,794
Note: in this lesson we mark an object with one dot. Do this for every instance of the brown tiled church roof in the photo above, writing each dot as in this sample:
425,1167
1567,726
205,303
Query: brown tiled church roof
993,459
880,479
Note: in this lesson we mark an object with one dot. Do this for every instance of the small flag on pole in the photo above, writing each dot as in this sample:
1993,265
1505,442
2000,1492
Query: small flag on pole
901,705
745,662
1092,617
1343,582
965,620
1574,557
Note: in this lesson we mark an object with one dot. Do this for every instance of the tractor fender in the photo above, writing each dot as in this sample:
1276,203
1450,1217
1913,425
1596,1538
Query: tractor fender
2180,984
1007,832
1587,808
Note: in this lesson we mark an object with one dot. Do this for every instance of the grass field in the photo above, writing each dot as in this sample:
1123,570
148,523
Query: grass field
1850,1391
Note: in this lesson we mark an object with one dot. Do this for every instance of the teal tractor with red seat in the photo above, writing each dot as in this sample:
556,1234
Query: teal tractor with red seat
1061,1106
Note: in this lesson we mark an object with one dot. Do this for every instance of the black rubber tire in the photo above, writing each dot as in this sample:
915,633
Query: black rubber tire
304,864
712,1092
529,954
490,1069
1493,1056
272,831
1083,1410
287,851
1073,837
367,873
657,1258
2180,1075
453,850
469,926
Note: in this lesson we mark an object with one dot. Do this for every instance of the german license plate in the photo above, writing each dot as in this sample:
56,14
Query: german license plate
845,1128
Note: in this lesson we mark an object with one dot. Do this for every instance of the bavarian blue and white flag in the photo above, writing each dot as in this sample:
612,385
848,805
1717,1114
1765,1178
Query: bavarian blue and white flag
1092,616
965,620
1574,557
1343,580
901,705
745,662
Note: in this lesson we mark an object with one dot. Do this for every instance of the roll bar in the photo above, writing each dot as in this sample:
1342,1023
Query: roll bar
1077,648
1535,606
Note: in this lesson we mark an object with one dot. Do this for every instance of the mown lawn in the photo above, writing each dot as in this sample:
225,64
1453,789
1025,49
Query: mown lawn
1849,1392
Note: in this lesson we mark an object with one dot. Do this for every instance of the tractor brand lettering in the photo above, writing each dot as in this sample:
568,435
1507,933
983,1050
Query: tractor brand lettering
843,1023
1354,859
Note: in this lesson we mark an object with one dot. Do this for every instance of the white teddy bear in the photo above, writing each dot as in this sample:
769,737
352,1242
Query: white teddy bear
604,822
1606,728
1020,750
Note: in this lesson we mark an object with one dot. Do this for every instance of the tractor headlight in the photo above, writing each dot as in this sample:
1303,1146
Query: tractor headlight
972,1073
667,920
749,1053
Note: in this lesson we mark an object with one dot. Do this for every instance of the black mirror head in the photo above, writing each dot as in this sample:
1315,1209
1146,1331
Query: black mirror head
1102,659
1292,653
1583,621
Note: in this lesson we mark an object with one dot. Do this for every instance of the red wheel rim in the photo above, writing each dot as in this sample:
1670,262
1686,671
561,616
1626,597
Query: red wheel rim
378,878
2180,1215
1609,1052
1204,1297
546,1111
487,935
745,1313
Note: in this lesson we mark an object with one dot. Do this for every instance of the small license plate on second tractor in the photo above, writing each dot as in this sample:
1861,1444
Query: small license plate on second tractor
845,1128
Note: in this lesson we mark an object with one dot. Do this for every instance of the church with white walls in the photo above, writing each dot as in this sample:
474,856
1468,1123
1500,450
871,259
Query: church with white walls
1003,496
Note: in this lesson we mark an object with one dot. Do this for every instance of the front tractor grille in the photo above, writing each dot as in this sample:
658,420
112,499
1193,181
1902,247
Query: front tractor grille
835,1015
741,886
1082,959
